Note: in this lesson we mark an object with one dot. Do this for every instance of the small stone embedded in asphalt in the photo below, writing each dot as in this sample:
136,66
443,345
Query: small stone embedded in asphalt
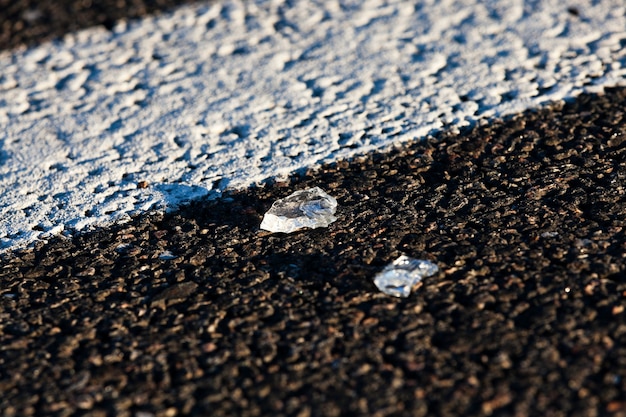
175,294
123,247
167,256
310,208
399,277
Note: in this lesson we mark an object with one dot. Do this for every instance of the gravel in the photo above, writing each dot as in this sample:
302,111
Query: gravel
28,22
524,217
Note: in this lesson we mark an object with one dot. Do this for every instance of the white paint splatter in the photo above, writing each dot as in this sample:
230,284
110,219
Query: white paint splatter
225,95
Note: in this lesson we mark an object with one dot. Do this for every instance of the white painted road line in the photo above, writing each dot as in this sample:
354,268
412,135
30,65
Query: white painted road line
215,96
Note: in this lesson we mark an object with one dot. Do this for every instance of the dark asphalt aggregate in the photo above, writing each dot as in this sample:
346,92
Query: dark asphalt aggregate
524,217
29,22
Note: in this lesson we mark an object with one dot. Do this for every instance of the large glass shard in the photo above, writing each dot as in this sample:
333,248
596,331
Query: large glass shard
399,277
303,209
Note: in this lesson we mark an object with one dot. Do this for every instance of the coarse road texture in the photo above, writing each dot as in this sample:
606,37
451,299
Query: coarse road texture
212,97
524,217
29,22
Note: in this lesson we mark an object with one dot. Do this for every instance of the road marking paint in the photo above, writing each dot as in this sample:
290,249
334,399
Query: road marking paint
103,125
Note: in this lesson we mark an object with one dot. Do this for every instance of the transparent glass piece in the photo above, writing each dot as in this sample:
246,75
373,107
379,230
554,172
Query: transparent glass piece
399,277
308,208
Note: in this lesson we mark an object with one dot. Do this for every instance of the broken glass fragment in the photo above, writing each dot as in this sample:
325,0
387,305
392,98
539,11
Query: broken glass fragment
399,277
309,208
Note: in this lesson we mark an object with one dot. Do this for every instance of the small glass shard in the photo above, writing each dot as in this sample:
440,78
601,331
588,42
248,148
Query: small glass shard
310,208
399,277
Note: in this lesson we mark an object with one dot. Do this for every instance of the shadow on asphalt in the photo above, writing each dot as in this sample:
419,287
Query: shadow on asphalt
524,218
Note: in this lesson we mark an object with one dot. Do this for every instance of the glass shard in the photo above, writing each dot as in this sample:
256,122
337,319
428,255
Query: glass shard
308,208
399,277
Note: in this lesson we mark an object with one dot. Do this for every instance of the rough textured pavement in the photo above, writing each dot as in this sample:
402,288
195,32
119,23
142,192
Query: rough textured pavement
27,22
524,218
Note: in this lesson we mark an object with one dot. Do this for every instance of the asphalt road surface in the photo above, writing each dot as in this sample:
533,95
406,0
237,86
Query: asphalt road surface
198,312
